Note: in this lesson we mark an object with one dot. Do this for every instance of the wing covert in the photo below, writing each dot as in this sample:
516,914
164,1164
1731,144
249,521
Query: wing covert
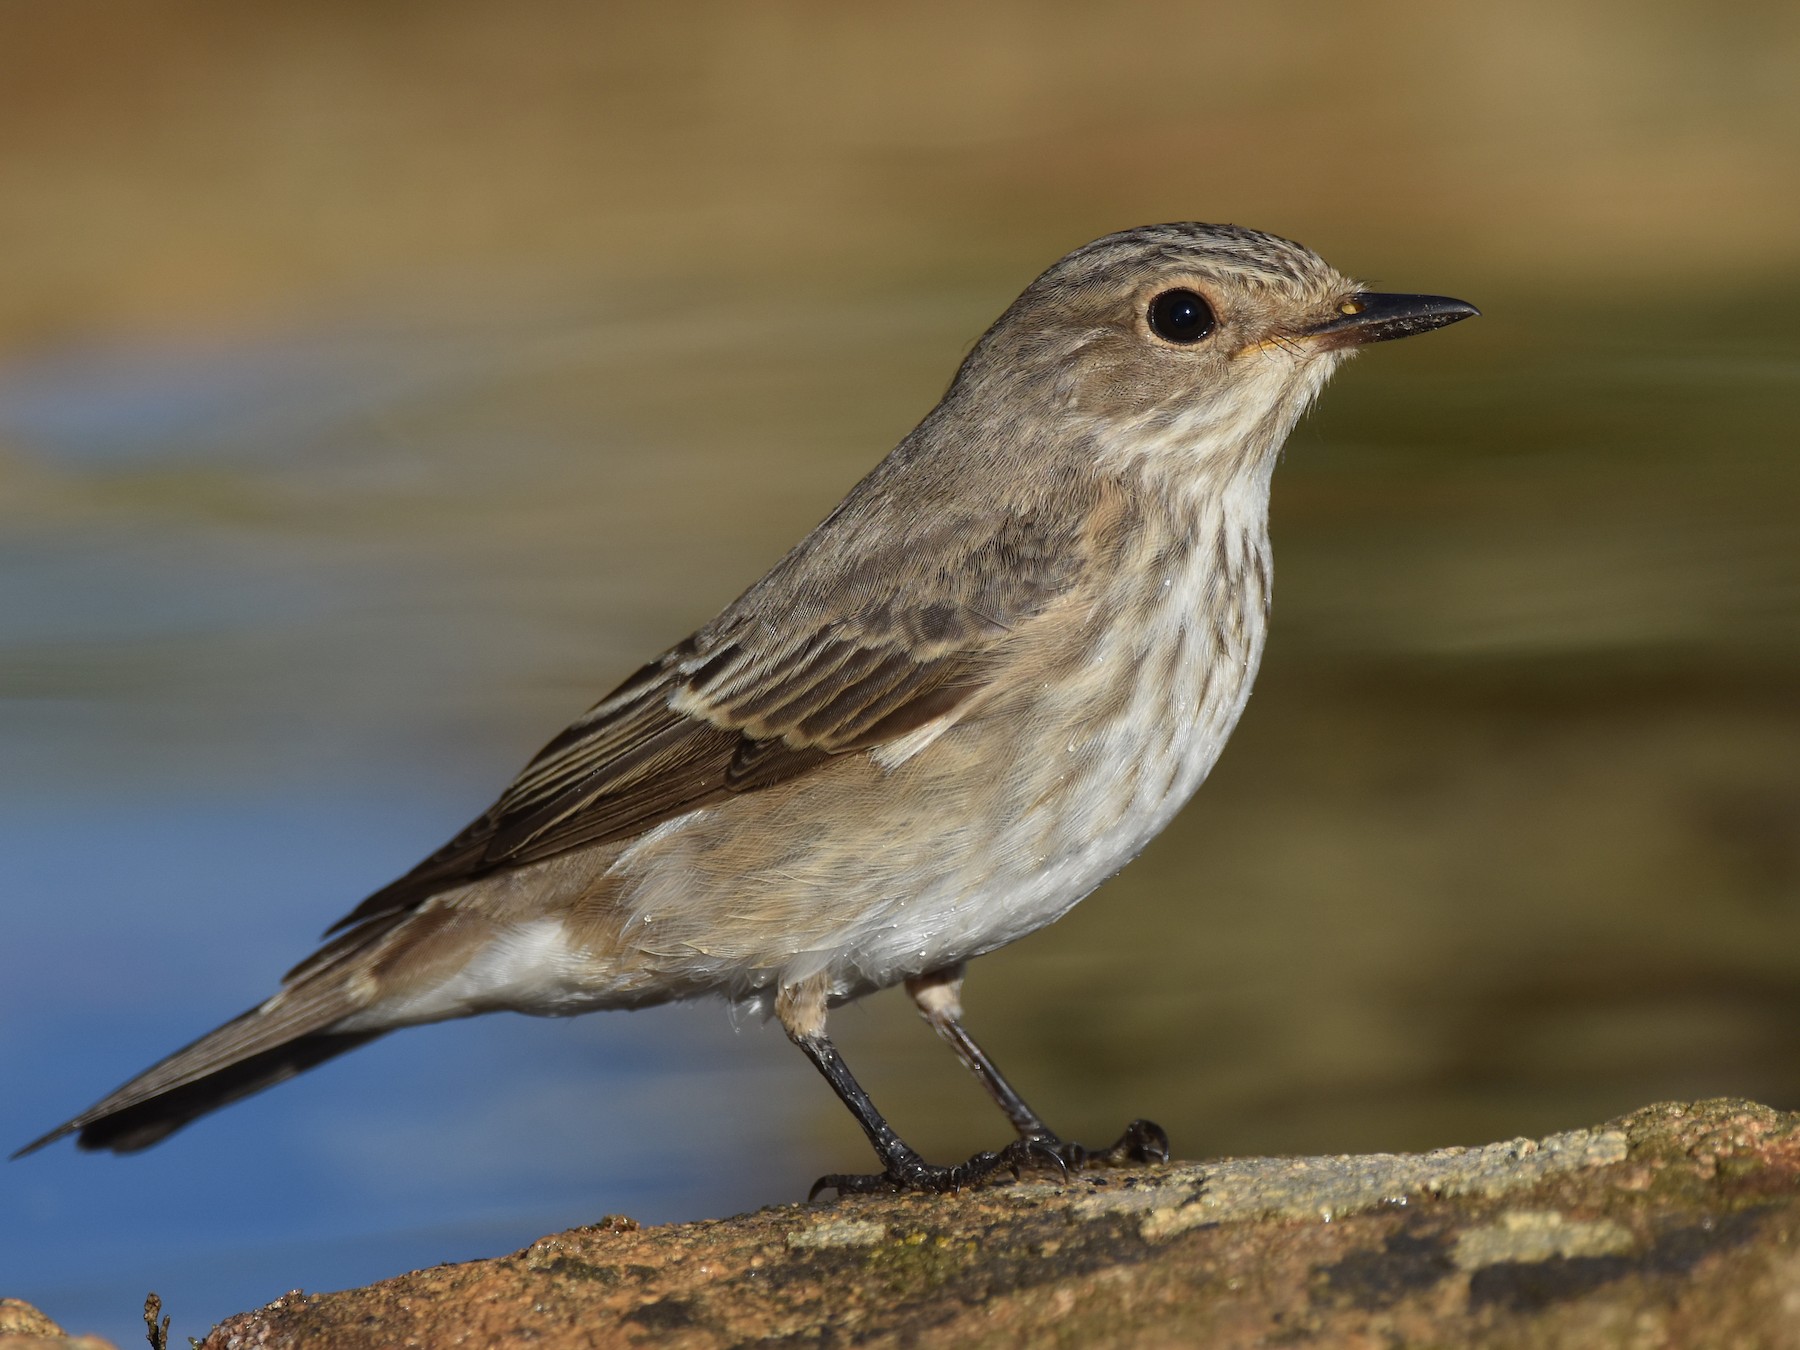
745,704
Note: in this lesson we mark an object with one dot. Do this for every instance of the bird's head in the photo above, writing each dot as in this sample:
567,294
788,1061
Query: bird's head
1191,340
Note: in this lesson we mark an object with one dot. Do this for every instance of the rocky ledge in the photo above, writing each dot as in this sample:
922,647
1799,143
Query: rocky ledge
1674,1226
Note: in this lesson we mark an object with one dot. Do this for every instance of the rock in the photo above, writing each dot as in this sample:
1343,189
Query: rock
1674,1226
23,1327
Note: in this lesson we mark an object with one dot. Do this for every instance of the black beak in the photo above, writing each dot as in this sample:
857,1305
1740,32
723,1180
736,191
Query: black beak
1375,317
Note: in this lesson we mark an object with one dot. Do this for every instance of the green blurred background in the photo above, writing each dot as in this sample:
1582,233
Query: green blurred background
380,383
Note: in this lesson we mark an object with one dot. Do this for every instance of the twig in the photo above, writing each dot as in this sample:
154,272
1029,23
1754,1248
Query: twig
157,1333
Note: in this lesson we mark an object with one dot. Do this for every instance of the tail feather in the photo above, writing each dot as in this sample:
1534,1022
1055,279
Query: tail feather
137,1124
275,1040
264,1046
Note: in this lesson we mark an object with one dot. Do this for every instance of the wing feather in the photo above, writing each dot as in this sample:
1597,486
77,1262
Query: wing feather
747,703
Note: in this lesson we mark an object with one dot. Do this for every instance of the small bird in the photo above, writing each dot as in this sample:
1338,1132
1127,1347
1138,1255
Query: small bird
969,696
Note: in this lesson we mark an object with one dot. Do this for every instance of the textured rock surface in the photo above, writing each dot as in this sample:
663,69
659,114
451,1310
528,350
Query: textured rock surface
1675,1226
23,1327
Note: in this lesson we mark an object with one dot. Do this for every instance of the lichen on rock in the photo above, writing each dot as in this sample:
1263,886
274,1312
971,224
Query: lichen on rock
1678,1225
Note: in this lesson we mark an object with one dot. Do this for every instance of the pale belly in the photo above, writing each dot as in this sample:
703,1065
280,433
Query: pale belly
996,829
1069,828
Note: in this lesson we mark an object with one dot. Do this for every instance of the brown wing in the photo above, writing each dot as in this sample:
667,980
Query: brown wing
745,704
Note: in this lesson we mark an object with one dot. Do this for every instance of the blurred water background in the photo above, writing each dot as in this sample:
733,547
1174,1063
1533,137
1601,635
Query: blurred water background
379,384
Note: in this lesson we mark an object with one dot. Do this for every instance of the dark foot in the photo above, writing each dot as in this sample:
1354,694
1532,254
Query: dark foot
915,1174
1142,1142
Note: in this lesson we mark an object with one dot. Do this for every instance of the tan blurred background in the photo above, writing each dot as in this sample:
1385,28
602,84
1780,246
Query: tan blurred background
378,383
200,165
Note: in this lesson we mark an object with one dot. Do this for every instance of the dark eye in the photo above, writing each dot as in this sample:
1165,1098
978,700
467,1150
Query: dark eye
1180,316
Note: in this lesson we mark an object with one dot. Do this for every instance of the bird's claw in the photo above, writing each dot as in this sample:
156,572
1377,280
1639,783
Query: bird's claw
1039,1153
916,1174
1143,1141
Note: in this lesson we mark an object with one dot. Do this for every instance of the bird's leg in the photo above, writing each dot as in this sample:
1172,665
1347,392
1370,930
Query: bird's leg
801,1011
938,996
939,999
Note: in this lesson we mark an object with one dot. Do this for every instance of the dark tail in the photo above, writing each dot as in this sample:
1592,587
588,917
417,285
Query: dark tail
283,1036
265,1046
129,1127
